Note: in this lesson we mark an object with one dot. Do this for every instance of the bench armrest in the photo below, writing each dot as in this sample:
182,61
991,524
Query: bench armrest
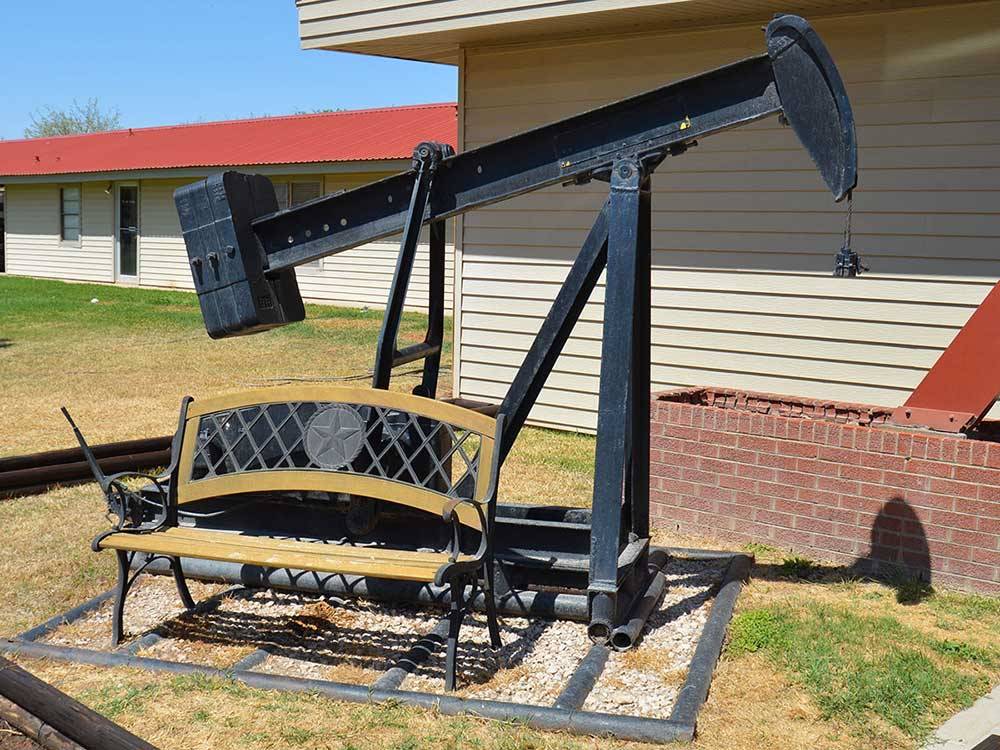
486,507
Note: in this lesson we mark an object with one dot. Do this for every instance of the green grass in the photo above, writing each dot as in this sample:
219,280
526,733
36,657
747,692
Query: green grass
46,309
859,666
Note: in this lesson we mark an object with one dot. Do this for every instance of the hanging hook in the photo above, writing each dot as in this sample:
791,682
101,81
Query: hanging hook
848,263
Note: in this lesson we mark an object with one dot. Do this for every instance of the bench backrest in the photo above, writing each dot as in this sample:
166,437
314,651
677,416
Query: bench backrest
359,441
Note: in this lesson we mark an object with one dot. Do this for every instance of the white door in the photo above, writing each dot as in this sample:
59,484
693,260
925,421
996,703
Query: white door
127,232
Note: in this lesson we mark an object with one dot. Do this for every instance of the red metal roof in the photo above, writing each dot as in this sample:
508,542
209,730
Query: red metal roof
358,135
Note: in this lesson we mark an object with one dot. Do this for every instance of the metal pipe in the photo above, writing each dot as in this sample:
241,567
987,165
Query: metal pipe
625,635
52,474
695,689
543,604
251,660
583,679
417,655
71,615
73,455
631,728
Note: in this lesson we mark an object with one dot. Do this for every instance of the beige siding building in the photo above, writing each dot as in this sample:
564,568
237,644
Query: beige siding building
744,231
121,225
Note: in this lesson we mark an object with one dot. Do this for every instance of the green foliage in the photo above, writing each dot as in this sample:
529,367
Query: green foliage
961,651
755,630
758,548
75,119
912,590
797,567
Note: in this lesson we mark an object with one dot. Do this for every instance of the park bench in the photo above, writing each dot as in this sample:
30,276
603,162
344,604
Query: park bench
388,447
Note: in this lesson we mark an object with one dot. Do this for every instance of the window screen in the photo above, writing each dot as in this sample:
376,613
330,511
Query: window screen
70,214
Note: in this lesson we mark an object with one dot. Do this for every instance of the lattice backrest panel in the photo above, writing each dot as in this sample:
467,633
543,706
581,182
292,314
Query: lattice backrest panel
330,436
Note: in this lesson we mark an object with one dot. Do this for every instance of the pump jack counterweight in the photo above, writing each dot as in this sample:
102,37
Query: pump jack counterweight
243,254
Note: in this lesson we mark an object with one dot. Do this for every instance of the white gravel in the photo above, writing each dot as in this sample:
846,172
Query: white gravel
355,641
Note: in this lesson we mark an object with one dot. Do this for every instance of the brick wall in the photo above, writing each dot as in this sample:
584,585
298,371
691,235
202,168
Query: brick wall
830,481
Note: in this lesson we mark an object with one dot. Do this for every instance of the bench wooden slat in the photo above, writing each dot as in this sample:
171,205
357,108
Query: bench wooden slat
225,536
311,480
283,553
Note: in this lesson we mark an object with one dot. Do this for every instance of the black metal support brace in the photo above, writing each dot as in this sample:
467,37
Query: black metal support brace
426,158
616,466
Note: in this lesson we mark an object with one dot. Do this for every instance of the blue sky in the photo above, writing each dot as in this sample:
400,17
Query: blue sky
173,61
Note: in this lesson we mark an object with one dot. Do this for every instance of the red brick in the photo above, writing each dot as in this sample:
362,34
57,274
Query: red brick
970,569
835,514
989,525
777,489
787,463
954,520
977,475
918,500
715,493
958,489
993,456
819,497
795,507
740,484
934,447
860,473
930,468
974,539
718,437
986,556
793,448
762,473
795,479
820,468
793,537
716,466
757,443
882,461
816,525
842,486
906,480
839,455
981,508
773,518
699,477
737,455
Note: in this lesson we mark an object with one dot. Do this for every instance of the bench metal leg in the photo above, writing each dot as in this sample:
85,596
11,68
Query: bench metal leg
455,617
124,583
182,589
491,607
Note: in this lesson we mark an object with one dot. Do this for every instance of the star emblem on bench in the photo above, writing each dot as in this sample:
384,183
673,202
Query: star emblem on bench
334,436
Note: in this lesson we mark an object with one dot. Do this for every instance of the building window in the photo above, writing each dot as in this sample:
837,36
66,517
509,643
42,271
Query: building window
69,199
293,193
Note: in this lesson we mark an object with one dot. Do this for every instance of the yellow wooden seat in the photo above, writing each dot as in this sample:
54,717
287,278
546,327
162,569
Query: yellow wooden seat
271,552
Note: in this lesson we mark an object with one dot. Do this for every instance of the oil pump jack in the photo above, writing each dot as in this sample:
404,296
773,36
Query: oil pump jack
243,253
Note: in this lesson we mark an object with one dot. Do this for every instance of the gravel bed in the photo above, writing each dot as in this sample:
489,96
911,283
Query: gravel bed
355,641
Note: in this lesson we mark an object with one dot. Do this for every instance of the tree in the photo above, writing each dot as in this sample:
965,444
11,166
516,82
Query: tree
79,118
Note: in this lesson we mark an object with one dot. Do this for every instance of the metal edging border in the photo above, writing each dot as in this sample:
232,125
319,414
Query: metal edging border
680,726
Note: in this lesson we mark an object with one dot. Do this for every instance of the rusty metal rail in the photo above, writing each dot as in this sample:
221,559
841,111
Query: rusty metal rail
34,473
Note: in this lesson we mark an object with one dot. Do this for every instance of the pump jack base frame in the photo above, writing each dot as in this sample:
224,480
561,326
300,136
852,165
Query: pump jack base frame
565,715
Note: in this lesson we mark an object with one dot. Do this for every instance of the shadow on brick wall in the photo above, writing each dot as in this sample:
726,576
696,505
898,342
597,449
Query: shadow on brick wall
898,554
